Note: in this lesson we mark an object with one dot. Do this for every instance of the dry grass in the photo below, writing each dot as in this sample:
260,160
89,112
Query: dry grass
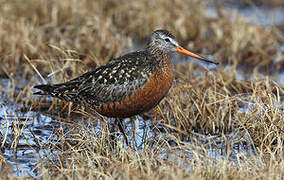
62,39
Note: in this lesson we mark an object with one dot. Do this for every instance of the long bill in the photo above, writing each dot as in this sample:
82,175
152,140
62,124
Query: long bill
181,50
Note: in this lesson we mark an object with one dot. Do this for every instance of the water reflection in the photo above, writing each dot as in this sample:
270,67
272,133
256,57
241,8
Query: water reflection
20,135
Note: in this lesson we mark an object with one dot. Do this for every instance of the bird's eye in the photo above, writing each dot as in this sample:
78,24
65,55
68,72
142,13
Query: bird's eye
167,40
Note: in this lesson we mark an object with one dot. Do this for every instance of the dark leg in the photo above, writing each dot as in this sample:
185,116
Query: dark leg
119,124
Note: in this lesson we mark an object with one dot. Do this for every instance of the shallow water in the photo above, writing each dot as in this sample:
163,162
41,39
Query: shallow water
23,152
37,134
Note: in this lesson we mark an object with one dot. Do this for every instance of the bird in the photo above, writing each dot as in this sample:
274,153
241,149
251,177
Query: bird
128,85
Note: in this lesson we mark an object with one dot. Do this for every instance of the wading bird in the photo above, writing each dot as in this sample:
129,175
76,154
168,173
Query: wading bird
128,85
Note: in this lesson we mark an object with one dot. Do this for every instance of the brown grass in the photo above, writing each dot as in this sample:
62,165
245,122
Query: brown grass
62,39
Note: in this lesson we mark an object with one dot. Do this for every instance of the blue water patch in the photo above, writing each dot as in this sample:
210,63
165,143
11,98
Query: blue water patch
20,134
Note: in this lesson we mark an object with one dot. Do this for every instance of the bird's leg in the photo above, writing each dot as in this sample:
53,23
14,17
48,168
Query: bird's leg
113,134
120,126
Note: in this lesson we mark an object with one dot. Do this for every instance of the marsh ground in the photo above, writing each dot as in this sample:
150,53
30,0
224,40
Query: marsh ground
224,122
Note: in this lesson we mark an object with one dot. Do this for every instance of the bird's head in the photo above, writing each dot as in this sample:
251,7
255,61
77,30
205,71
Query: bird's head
165,42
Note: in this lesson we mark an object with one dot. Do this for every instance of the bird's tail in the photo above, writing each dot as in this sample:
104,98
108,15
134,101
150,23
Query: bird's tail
62,91
44,89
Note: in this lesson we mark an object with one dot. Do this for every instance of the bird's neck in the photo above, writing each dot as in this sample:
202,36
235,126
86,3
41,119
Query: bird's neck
162,59
158,54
